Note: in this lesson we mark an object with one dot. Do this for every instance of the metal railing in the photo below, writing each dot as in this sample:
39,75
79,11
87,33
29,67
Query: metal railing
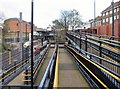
96,45
47,80
102,76
38,60
18,87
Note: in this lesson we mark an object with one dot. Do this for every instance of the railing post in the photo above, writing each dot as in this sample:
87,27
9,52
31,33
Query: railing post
100,50
86,44
2,77
90,56
26,77
15,66
80,42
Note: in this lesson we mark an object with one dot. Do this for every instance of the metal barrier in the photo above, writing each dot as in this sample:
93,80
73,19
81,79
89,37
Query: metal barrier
19,87
47,80
56,71
111,65
102,76
36,66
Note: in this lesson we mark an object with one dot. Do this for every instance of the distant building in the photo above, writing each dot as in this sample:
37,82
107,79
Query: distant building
96,25
87,25
0,34
13,27
103,23
13,24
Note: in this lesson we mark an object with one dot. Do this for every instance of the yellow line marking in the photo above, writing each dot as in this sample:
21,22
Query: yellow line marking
11,72
106,56
26,74
26,80
114,76
90,72
15,66
56,72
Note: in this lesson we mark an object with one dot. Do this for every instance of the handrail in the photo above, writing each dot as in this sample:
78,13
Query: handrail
102,59
18,86
103,76
114,76
56,72
89,71
89,37
37,64
116,58
44,79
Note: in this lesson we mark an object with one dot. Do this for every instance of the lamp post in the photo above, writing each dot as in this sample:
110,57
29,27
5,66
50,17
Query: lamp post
15,65
32,3
26,30
21,36
94,12
112,5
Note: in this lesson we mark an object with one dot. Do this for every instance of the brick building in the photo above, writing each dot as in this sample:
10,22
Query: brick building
13,27
103,23
12,24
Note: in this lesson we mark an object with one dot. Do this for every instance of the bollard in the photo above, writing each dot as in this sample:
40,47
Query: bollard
3,77
26,77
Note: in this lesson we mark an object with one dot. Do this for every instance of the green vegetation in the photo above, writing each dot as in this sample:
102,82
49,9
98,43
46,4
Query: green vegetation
3,47
0,48
68,19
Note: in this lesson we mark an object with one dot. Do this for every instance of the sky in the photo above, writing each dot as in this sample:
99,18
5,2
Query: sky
45,11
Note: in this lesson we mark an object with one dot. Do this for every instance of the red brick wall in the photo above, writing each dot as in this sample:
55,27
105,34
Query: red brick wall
106,29
13,25
119,28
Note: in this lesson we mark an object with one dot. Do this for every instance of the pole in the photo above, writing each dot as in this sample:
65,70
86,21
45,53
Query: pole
32,44
26,31
112,4
21,32
94,12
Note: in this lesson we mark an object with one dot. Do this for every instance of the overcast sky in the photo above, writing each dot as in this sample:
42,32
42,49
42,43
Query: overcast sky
45,11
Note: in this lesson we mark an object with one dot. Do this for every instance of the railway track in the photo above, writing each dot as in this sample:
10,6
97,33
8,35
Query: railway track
96,73
96,44
36,68
40,65
16,69
108,61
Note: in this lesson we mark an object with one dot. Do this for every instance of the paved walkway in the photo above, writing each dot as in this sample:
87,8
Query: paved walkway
44,66
18,80
69,75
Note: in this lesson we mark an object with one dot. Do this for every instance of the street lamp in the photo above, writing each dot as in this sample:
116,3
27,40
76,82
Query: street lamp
21,36
32,4
112,5
15,65
94,12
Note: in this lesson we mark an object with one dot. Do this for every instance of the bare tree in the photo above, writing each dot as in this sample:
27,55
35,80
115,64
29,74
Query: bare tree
2,18
67,19
4,31
74,19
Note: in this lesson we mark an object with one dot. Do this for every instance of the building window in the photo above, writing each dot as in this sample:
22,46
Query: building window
103,14
117,9
114,17
100,22
103,20
110,12
106,19
107,13
110,20
17,24
114,9
118,16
